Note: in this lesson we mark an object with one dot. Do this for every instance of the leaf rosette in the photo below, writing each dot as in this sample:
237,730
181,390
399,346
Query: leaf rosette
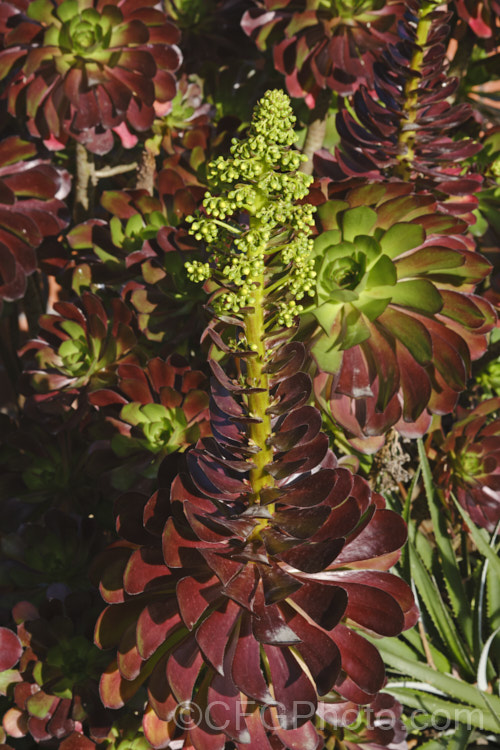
155,410
397,321
83,344
323,44
468,462
54,685
82,68
31,209
400,126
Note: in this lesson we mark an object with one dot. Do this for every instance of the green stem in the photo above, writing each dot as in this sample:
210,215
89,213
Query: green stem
258,403
407,129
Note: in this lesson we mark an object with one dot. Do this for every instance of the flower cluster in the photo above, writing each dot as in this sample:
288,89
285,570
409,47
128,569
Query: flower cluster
261,180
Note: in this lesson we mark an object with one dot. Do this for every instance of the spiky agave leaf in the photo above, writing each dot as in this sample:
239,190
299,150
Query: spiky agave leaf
80,68
31,208
238,591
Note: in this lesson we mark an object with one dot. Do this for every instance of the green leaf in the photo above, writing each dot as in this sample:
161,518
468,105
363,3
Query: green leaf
412,334
327,355
73,329
326,315
372,307
402,237
41,10
324,241
382,273
451,686
428,590
156,412
132,414
356,221
467,714
451,571
482,667
418,294
355,329
9,677
478,536
134,225
328,213
68,10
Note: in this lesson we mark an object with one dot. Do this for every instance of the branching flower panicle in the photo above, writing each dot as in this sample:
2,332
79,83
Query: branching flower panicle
254,229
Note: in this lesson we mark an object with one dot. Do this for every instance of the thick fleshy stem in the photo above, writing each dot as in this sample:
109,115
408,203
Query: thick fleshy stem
258,402
408,126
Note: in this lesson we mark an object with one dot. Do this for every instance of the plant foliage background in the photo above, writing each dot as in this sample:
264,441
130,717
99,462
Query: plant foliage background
249,379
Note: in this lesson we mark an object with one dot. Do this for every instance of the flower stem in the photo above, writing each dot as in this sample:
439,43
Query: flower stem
258,403
407,129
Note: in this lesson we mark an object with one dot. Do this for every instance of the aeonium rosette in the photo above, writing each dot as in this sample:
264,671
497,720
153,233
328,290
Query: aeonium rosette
468,462
81,345
323,44
154,410
83,68
239,588
395,321
55,683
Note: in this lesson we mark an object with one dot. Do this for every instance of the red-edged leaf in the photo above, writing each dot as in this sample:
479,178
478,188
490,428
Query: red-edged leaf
360,659
292,688
10,649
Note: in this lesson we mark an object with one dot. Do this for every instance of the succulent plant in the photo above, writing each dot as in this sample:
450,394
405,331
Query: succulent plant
403,131
162,408
236,596
481,16
50,556
373,727
31,208
468,462
395,321
323,44
82,346
54,686
82,68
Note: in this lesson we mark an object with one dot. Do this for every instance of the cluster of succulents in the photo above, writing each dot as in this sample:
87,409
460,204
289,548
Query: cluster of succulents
216,357
83,69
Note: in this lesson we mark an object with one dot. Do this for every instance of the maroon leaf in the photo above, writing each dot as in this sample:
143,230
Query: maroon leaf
10,649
